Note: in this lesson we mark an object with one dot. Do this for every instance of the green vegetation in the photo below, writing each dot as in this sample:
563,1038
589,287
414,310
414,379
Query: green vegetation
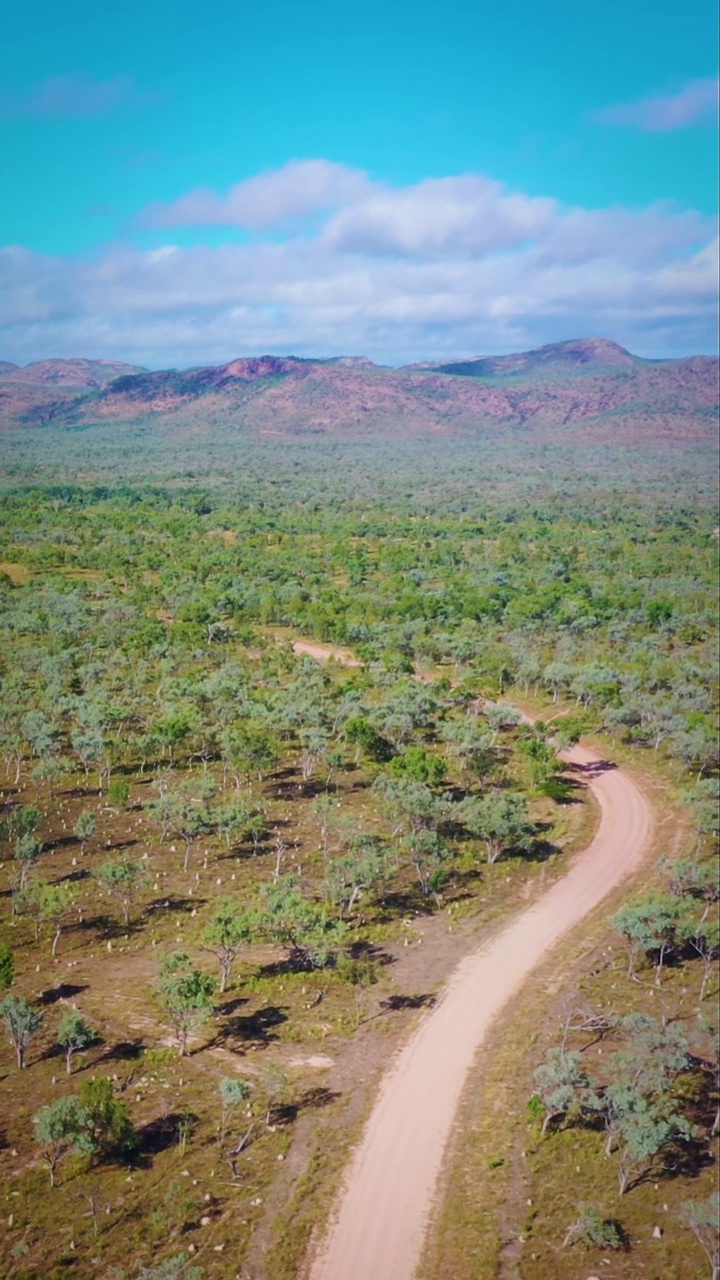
183,791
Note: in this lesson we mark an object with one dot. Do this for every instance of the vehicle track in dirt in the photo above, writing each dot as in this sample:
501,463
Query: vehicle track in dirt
385,1201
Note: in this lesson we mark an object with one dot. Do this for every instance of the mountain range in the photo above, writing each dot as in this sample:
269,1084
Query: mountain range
588,385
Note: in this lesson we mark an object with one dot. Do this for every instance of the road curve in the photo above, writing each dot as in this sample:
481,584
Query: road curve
382,1213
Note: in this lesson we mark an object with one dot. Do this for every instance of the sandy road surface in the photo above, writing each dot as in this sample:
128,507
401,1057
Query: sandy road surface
322,652
383,1207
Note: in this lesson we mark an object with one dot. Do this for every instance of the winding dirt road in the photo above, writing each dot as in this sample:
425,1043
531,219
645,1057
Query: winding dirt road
324,652
384,1204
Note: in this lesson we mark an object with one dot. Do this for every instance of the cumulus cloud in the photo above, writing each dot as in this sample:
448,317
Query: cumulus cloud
447,267
441,216
76,95
298,188
659,113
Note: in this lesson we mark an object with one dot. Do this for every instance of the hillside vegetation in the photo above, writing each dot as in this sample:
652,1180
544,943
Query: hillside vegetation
589,386
233,875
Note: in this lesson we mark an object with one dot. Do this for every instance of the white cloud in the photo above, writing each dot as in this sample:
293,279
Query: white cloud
298,188
659,113
76,95
440,216
454,266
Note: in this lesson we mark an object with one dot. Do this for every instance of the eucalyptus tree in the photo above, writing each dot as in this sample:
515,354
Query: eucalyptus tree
22,1024
74,1035
229,929
122,879
185,993
649,926
501,820
233,1092
62,1128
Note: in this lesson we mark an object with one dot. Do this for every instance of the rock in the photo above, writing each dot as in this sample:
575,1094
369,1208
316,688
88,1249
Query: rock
657,1233
205,1222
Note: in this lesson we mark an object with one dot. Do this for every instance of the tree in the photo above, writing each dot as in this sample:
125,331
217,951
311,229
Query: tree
701,1217
22,1022
248,748
649,926
361,734
287,918
470,744
27,852
275,1084
692,879
563,1085
703,800
227,932
420,765
500,715
74,1035
590,1228
351,874
644,1129
232,1092
122,879
7,967
192,819
62,1127
499,819
110,1125
118,791
186,995
232,820
84,829
704,938
48,903
655,1052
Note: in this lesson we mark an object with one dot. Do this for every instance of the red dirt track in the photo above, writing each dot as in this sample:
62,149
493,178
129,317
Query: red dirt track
383,1210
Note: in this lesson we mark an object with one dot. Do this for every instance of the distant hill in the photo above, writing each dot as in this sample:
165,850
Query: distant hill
586,385
39,390
580,356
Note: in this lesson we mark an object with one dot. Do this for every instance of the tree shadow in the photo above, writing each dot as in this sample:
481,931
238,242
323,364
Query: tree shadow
252,1029
312,1100
395,1004
74,876
363,950
183,905
123,1051
61,842
231,1006
158,1135
593,769
407,902
65,991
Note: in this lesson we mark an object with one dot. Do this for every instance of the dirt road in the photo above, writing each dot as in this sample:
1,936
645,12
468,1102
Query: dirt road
323,652
383,1207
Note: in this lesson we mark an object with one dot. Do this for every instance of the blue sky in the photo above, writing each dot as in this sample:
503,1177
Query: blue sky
186,182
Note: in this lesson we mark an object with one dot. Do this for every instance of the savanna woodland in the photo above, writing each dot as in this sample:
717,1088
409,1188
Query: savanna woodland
281,735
